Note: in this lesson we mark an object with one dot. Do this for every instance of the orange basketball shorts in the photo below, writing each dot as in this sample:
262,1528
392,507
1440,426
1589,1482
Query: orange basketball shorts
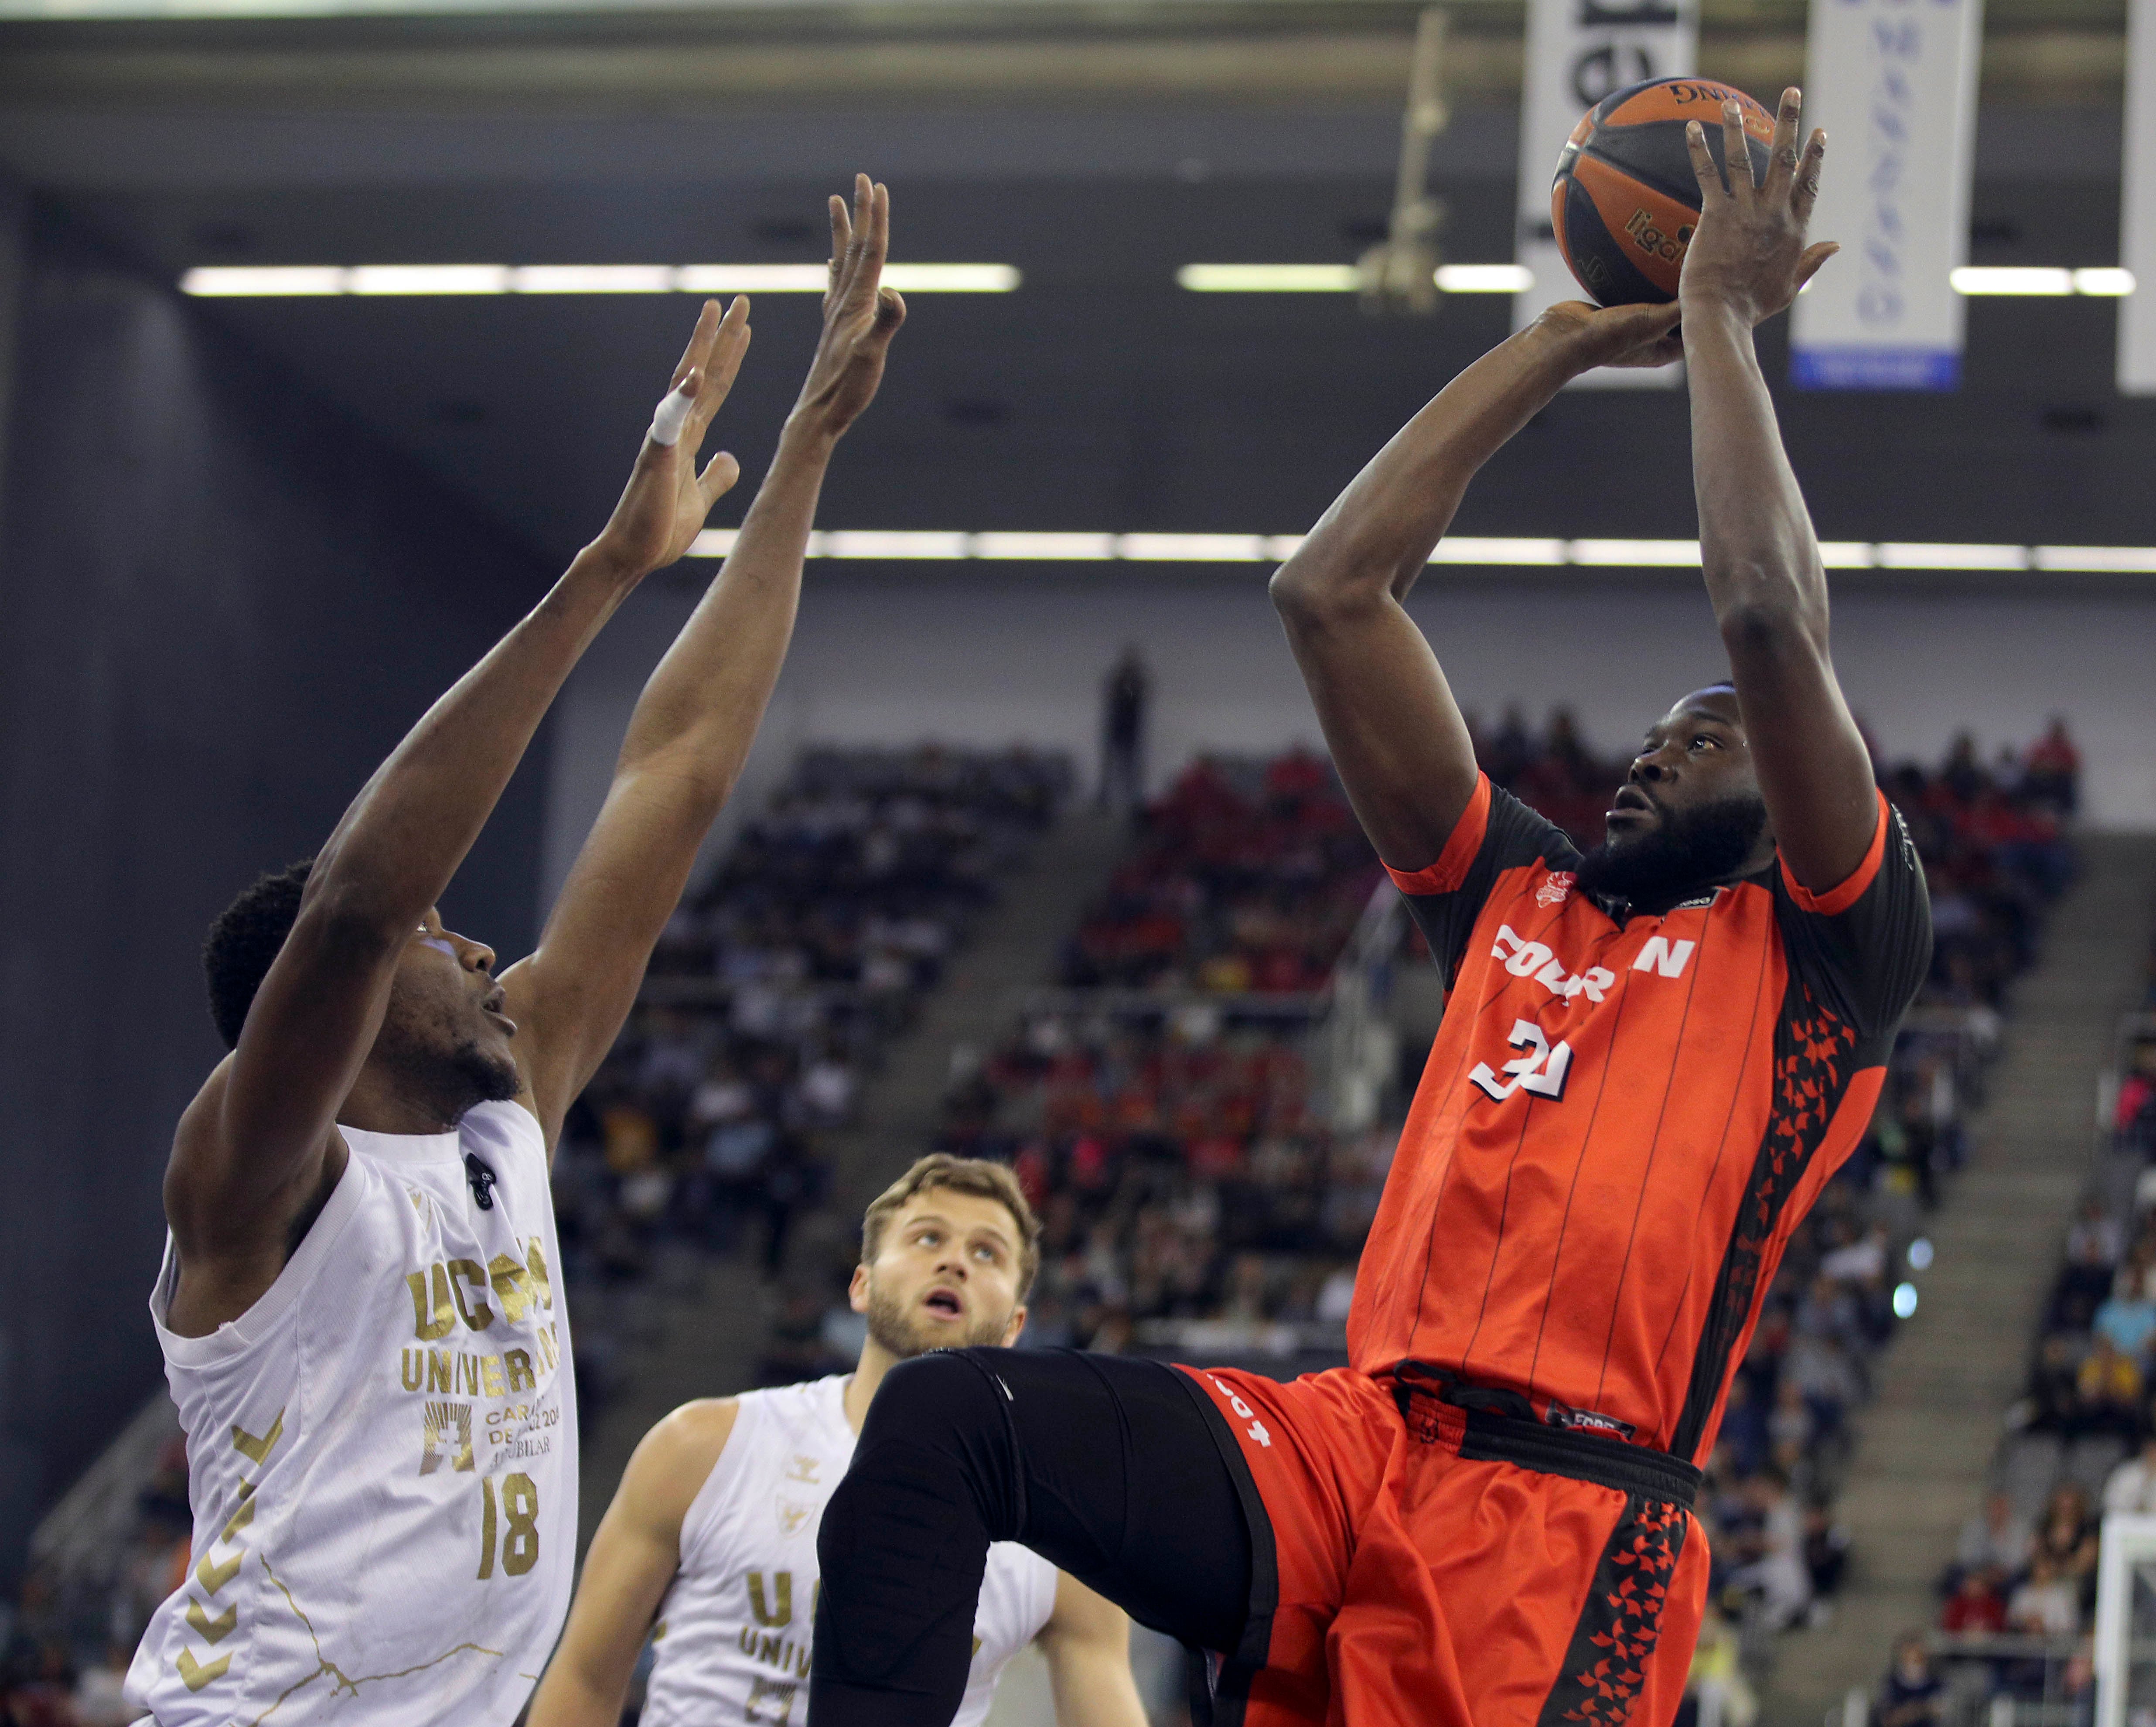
1420,1565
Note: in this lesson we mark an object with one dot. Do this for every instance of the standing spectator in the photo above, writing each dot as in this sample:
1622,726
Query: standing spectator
2053,769
1123,701
1913,1695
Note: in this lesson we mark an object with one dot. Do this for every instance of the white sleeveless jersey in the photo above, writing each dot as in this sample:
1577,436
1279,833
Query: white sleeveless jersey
382,1455
732,1639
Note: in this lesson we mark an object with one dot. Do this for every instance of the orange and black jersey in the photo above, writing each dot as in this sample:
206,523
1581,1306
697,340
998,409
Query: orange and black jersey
1622,1119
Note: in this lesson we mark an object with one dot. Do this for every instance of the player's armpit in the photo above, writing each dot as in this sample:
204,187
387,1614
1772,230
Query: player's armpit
1087,1642
633,1555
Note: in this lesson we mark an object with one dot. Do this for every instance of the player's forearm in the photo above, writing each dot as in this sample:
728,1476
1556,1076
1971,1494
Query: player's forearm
1378,536
1757,547
571,1696
699,713
403,838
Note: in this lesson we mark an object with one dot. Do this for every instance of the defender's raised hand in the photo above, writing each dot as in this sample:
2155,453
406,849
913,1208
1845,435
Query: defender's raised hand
664,506
861,314
1749,252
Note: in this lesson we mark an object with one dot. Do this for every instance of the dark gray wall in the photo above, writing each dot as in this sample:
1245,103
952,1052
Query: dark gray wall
221,603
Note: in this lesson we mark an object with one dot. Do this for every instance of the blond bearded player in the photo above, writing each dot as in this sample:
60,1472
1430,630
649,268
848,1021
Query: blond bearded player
357,1309
714,1528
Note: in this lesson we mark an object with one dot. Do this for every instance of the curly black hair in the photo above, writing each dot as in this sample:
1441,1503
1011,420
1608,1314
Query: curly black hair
246,939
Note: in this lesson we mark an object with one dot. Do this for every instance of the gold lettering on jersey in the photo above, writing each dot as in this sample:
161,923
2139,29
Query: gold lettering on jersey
490,1373
779,1692
782,1586
212,1577
412,1368
789,1655
444,1315
550,1346
256,1450
520,1376
197,1673
512,1285
209,1630
462,1271
441,1371
536,1260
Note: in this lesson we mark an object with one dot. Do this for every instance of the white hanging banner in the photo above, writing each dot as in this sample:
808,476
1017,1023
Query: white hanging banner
1579,51
2136,228
1894,83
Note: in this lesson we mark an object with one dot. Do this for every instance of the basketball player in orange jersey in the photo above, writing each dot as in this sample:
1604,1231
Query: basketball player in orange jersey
357,1309
1652,1058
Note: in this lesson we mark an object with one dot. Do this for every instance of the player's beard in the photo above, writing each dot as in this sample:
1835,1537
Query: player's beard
442,1068
905,1337
1685,853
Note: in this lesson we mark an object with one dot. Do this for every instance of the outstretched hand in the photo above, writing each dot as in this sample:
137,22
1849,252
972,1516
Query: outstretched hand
1749,252
664,506
861,314
1616,335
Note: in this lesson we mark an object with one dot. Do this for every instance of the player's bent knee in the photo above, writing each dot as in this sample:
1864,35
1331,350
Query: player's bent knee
936,1439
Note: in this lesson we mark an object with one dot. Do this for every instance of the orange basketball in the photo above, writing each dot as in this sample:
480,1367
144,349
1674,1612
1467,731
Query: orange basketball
1625,199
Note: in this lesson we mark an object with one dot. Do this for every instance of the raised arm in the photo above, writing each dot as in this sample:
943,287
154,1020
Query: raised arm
256,1151
698,715
1389,718
634,1554
1087,1642
1746,263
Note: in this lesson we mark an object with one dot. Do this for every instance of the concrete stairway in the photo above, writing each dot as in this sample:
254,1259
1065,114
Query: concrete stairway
1016,945
708,1326
1945,1382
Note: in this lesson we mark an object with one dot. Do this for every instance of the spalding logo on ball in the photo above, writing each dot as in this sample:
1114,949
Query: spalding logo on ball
1626,198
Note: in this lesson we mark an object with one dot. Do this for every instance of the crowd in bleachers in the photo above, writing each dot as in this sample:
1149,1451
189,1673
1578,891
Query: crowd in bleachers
768,997
2082,1441
1162,1112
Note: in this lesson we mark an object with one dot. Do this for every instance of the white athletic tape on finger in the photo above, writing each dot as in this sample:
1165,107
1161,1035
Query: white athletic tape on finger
670,416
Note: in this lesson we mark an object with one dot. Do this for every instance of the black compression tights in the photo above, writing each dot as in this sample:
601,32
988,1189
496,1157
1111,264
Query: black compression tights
1104,1466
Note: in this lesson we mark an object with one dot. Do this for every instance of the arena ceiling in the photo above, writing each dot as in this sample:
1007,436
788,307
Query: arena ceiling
1096,149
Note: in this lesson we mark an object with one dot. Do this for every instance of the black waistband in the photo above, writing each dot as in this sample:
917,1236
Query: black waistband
1603,1459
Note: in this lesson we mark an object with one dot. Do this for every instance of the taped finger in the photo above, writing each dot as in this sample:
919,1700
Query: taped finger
668,419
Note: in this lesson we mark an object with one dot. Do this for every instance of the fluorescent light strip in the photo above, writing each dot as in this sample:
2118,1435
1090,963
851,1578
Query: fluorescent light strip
1342,278
912,545
2021,280
287,281
2030,281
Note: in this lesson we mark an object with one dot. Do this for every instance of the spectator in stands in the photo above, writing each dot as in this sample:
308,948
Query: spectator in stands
2046,1604
2109,1390
1913,1694
1976,1607
1995,1539
1123,702
2066,1537
2051,771
2131,1487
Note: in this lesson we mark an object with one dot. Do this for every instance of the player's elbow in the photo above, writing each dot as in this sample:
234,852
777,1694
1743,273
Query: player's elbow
1312,596
1765,619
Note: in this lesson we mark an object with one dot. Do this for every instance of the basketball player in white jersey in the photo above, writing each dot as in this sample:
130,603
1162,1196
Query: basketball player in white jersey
713,1531
362,1322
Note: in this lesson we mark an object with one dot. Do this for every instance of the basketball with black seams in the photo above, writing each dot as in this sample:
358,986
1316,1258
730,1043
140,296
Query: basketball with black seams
1625,199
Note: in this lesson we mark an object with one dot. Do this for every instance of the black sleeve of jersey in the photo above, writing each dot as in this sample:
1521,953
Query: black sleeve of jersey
1496,833
1865,947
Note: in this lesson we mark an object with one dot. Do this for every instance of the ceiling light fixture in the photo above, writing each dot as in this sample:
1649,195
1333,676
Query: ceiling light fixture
283,280
1341,278
1464,550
